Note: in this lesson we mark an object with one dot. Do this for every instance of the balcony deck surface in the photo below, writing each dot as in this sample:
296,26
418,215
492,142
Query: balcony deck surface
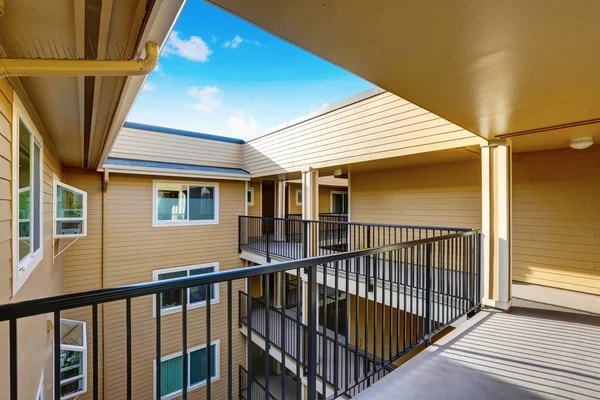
525,354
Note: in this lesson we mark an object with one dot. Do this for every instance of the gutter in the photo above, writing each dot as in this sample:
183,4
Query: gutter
54,67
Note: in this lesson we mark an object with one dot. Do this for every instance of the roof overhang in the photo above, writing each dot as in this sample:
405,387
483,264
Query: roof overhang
80,116
141,167
491,67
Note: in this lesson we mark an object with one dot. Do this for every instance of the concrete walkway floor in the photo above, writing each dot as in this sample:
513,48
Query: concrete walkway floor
524,354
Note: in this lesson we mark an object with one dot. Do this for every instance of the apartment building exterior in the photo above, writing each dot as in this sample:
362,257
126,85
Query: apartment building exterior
147,204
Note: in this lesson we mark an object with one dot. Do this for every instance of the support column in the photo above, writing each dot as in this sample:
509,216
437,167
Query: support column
310,207
280,209
496,170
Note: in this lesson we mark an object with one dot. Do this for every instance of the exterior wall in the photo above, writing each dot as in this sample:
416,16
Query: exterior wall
158,146
377,127
83,264
34,338
556,218
133,250
447,195
255,210
324,197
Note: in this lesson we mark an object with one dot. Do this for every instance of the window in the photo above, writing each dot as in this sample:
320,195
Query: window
298,197
171,370
250,196
70,211
339,202
196,296
177,203
73,358
27,188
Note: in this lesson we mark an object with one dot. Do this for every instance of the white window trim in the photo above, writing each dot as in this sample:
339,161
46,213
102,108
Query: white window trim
191,306
40,392
55,183
251,202
28,266
157,223
298,203
331,198
216,343
84,350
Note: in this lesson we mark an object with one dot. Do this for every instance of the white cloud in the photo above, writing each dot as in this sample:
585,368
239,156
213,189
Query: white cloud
242,126
213,38
209,98
194,48
148,86
233,43
237,40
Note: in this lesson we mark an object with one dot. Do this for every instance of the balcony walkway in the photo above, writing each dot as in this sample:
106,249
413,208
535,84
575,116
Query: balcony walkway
345,362
525,354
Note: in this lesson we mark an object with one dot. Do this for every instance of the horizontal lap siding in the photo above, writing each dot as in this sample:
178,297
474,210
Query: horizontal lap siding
255,211
556,218
378,127
133,250
35,341
446,195
165,147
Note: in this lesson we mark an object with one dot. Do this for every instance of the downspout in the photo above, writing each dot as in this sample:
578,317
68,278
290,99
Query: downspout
57,67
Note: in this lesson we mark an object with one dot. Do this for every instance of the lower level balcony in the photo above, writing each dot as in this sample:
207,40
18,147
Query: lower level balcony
440,344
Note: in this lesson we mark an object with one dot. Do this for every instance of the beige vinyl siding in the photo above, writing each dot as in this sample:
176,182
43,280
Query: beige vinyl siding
133,250
255,210
158,146
556,218
447,195
83,264
378,127
325,197
35,340
293,208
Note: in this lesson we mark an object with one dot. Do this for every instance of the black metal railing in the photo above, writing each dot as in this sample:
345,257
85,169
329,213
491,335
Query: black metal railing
294,238
330,217
440,284
258,390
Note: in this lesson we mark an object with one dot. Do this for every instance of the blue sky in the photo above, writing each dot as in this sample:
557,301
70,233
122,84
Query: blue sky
219,74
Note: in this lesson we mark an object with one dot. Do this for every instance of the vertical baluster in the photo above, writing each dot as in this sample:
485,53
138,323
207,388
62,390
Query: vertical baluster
57,339
298,334
375,313
366,323
283,331
128,344
428,255
249,340
347,332
14,368
267,364
229,339
357,262
324,325
184,353
398,271
95,350
405,304
335,344
208,343
158,349
311,359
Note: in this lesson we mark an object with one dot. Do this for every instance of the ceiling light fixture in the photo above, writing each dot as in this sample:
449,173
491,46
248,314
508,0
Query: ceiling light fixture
337,172
581,143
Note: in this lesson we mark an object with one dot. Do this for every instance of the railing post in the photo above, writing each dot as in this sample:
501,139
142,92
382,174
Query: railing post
478,269
305,242
428,294
239,234
311,359
268,255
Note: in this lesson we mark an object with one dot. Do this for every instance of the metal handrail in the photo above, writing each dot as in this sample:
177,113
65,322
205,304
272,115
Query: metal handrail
437,228
64,302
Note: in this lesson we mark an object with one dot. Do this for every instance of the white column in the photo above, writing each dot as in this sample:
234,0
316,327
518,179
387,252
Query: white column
496,195
310,206
280,209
